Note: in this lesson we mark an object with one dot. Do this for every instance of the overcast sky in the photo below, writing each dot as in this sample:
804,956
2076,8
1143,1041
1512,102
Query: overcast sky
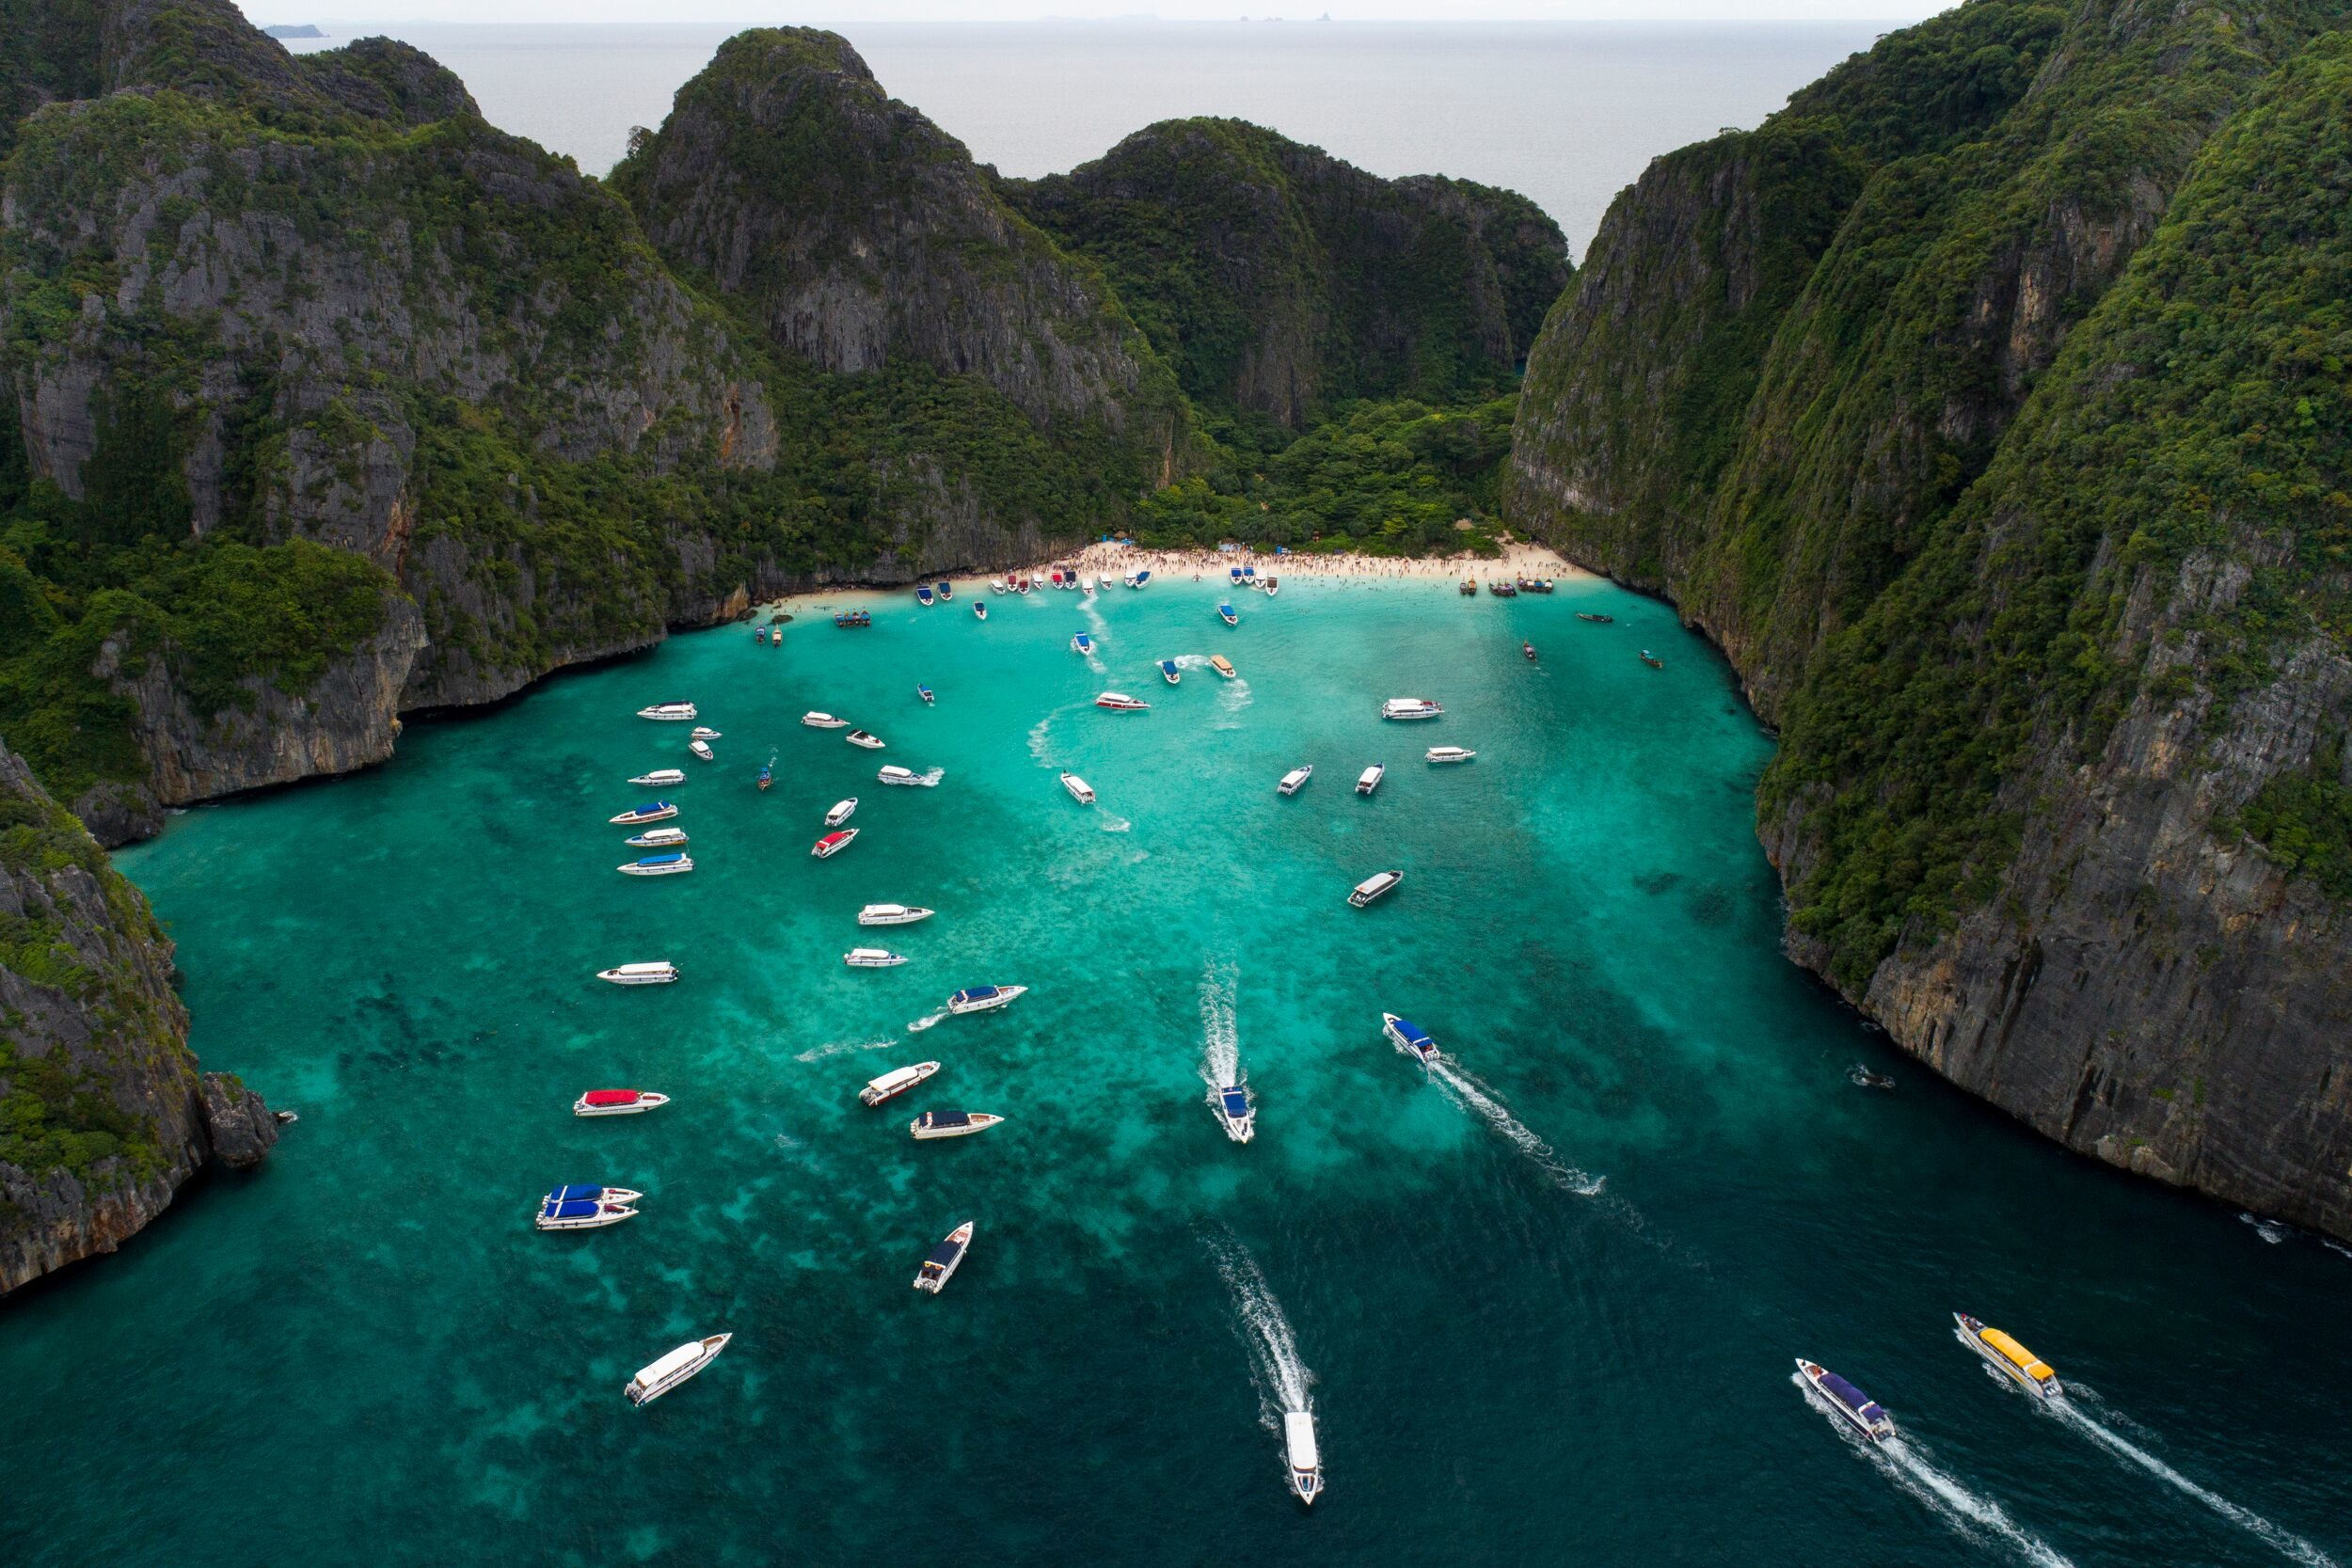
754,12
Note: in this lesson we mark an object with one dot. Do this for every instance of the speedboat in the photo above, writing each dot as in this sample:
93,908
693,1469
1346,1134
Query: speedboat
657,865
1373,887
1168,672
2009,1358
1299,1445
1082,643
704,731
946,593
951,1124
893,774
1449,753
660,776
767,775
1232,575
1273,586
984,999
980,610
872,957
892,914
859,738
1410,1038
833,844
922,597
823,721
1295,780
652,1382
941,1265
1021,585
1369,780
702,749
668,712
659,973
842,810
617,1103
1409,707
996,585
1139,578
1225,613
593,1194
1088,584
1234,1111
925,692
652,811
1850,1403
1080,789
894,1083
579,1213
1119,701
1250,577
659,838
1222,665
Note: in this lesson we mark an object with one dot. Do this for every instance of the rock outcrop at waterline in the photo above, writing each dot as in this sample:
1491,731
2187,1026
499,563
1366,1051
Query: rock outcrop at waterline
103,1111
1987,408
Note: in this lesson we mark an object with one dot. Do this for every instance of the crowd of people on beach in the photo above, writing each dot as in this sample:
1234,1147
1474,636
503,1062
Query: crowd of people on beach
1115,560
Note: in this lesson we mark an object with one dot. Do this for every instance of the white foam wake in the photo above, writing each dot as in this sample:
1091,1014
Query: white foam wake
922,1023
1220,1030
2272,1232
1111,822
1972,1515
1281,1377
1039,752
835,1048
2245,1519
1466,1091
931,777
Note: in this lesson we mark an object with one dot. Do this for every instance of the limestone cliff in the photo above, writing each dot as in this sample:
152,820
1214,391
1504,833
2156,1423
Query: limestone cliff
104,1113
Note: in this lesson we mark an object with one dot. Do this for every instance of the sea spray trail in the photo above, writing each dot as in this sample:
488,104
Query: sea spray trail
835,1048
922,1023
1220,1030
1943,1495
1282,1378
1468,1092
1039,751
2245,1519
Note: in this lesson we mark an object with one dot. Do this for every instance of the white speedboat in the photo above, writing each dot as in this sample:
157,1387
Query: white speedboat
1850,1403
833,844
656,838
859,738
1139,579
1272,587
1087,583
617,1103
1374,886
893,774
941,1265
1234,1112
894,1083
1169,674
652,811
892,914
923,595
842,810
979,610
1295,780
2009,1358
1082,643
1369,780
996,585
702,749
1409,707
1449,753
823,721
704,731
661,973
1410,1038
580,1214
652,1382
1298,1446
670,712
984,999
950,1124
657,865
1119,701
660,776
1080,789
872,957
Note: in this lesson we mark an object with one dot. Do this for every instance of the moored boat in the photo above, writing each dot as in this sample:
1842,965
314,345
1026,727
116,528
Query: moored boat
892,914
657,972
2009,1358
579,1213
1848,1402
842,810
704,731
617,1103
1169,672
922,597
1139,579
1082,643
1273,586
1119,701
984,999
892,773
1295,780
652,811
1374,886
947,592
668,712
573,1194
833,844
1588,615
1410,707
944,1260
1234,1112
652,1382
860,737
657,865
1299,1448
660,776
1225,613
659,838
1529,649
702,749
1503,587
1080,789
1410,1038
894,1083
872,957
1470,588
1223,666
979,610
996,585
1449,753
823,721
924,693
854,618
950,1124
1369,780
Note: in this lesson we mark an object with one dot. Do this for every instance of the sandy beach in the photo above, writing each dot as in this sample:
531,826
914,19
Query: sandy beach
1117,561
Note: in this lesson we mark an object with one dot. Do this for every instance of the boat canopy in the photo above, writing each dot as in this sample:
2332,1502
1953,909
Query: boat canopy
567,1195
2017,1356
649,807
943,1254
976,993
612,1096
1851,1397
1299,1436
946,1118
677,1360
575,1209
1414,1034
1236,1103
661,860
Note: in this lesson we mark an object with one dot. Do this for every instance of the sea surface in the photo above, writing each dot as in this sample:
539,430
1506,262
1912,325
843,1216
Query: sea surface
1543,1300
1564,113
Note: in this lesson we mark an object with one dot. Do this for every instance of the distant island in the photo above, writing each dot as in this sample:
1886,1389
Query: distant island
304,30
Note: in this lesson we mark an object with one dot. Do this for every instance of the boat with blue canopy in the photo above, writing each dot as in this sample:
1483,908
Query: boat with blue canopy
1848,1402
658,865
944,1260
924,692
1235,1112
1168,672
982,999
1082,643
585,1207
951,1124
1233,573
923,595
652,811
1225,613
1410,1038
946,593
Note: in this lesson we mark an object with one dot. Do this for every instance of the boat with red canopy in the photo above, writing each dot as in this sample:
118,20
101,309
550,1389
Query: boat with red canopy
617,1103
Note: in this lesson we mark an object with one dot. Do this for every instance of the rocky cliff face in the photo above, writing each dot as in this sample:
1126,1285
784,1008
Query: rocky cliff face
1280,279
103,1111
1935,402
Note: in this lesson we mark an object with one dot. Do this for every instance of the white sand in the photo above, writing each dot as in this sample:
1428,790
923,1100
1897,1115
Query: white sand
1117,561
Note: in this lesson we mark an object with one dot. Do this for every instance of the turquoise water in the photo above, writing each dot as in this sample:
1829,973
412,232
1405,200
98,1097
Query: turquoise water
1544,1305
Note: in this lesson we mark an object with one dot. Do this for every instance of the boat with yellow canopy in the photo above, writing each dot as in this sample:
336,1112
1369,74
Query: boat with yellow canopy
2009,1358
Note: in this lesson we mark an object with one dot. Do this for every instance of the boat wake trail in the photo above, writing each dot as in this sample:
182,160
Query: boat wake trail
922,1023
2245,1519
1039,751
1111,822
931,777
1281,1377
1468,1093
1978,1518
1221,1032
837,1048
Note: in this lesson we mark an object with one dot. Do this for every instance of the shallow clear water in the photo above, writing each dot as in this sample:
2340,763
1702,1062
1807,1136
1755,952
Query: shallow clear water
1544,1305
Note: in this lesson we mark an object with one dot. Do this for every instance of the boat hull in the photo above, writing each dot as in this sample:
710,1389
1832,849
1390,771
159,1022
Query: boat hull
1004,998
